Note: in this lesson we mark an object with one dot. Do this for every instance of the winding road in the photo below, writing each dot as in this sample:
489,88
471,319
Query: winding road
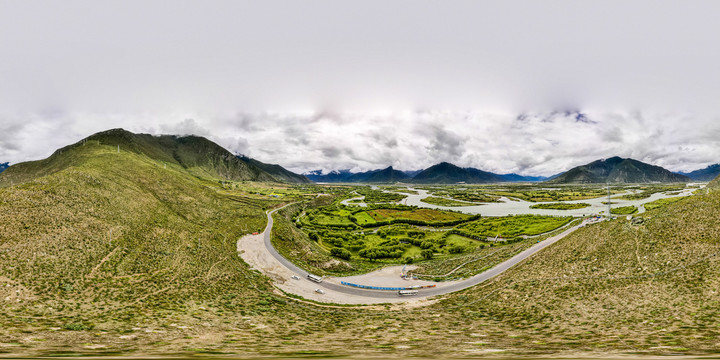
258,251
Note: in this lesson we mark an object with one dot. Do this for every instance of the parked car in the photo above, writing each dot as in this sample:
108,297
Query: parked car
320,291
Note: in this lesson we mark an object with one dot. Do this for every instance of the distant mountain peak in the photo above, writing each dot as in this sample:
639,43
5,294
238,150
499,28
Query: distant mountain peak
618,170
706,174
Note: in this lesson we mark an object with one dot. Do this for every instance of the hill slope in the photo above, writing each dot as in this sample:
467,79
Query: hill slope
715,183
706,174
387,175
446,173
618,170
276,171
199,156
114,233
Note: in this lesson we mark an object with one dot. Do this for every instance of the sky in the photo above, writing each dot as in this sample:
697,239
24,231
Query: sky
531,87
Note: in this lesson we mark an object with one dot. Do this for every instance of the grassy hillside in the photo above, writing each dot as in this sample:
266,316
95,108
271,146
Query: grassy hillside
277,171
197,155
118,237
652,287
715,183
119,254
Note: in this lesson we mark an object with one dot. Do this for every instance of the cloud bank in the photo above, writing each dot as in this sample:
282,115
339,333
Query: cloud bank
323,84
527,143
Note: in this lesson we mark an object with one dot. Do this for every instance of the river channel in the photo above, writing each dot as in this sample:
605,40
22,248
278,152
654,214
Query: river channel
507,206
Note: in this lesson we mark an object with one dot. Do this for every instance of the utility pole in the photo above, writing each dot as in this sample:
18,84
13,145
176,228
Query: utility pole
118,149
608,201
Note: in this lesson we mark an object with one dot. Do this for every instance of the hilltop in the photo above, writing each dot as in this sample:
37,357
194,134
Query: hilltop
197,155
387,175
446,173
618,170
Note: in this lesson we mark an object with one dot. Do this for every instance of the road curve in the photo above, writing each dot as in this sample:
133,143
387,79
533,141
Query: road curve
422,293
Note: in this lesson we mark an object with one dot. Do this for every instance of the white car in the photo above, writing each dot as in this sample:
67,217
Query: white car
295,277
320,291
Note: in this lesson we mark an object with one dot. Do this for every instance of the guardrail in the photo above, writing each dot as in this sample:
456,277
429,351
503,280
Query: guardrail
387,288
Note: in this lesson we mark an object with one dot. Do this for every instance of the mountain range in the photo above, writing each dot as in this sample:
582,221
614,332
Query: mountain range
613,170
706,174
196,155
204,158
442,173
618,170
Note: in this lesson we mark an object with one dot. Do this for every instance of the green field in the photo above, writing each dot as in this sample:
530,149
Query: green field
559,193
377,196
624,210
663,202
423,215
400,189
560,206
434,200
511,226
645,192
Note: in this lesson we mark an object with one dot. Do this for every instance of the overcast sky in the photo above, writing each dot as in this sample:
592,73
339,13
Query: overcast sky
532,87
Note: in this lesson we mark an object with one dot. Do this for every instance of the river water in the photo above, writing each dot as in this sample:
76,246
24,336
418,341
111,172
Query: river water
517,207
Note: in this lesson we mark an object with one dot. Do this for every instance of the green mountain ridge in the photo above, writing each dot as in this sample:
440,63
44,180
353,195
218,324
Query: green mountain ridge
387,175
618,170
199,156
277,172
446,173
706,174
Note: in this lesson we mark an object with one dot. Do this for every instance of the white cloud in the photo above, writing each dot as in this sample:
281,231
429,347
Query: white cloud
530,143
327,84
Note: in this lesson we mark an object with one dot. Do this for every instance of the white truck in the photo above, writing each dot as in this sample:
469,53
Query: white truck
315,278
407,292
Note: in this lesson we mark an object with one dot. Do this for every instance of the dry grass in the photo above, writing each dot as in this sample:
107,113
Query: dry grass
169,281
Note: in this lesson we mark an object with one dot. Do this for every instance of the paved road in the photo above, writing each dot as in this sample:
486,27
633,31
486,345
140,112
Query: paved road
464,284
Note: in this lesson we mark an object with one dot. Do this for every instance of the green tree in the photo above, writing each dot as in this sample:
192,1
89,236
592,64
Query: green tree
340,253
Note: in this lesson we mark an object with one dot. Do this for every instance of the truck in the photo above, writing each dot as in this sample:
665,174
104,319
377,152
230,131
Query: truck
315,278
407,292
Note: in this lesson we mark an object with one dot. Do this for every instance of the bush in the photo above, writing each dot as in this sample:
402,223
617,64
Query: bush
427,254
340,253
77,327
